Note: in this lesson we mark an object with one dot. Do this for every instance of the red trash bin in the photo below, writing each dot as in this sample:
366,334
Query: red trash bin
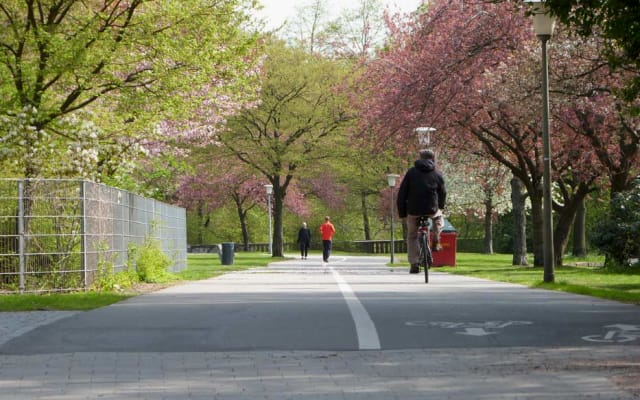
448,240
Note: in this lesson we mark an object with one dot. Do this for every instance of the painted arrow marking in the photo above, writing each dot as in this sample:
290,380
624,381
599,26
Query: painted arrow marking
470,328
476,332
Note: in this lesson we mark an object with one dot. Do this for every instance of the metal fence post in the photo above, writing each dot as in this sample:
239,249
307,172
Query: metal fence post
83,232
21,249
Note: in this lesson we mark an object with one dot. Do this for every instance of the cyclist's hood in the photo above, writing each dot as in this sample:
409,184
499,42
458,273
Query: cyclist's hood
425,165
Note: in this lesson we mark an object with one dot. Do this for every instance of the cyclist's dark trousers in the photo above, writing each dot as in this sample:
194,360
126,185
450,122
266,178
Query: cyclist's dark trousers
326,250
412,235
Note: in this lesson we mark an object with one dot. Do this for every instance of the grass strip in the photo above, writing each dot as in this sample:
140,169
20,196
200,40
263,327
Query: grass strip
619,285
199,266
79,301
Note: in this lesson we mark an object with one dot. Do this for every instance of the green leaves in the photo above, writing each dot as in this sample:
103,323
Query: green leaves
122,66
617,236
615,20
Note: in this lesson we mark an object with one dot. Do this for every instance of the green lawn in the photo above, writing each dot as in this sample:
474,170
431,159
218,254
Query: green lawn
615,285
59,301
598,282
199,266
203,266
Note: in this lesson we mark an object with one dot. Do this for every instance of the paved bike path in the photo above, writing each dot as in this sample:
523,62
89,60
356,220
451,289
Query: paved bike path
353,303
288,331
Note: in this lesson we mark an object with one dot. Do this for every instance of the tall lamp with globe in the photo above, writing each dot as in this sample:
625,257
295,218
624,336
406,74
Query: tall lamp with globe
543,24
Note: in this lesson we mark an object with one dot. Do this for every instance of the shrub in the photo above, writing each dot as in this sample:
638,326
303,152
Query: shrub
151,263
617,236
106,279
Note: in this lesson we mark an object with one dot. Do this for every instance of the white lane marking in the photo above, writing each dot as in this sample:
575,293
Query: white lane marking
365,328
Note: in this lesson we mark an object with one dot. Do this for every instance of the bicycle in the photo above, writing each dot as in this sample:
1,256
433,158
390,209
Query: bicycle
425,256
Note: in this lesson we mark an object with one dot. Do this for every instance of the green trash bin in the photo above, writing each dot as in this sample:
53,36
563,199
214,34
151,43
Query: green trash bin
227,253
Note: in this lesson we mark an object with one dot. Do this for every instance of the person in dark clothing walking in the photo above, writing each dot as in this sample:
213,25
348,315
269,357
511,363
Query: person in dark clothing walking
422,193
304,240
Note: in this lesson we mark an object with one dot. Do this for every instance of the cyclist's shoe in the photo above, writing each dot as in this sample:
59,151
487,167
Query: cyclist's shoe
437,247
414,269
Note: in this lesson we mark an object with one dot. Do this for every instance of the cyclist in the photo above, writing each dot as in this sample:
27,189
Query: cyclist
422,193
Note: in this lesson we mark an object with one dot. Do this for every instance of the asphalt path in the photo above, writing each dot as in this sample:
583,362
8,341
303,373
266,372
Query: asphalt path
352,303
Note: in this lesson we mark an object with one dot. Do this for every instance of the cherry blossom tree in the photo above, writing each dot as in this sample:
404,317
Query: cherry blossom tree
216,180
511,133
587,87
428,67
480,86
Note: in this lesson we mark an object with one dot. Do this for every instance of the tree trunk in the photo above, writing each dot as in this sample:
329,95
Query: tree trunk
242,216
579,231
518,197
566,217
201,222
537,218
278,237
365,216
561,232
488,224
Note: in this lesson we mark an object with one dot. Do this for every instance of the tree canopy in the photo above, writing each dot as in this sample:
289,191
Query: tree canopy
295,125
92,79
471,69
617,21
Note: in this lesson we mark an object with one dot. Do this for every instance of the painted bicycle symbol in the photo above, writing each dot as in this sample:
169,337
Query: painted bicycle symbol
483,328
618,333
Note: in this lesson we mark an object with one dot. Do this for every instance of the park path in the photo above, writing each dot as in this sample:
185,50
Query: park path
42,363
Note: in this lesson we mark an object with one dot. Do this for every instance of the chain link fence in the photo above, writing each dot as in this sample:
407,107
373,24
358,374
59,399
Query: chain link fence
56,234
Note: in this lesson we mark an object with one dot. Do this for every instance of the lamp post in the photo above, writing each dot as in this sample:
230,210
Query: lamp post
543,25
424,135
391,180
269,189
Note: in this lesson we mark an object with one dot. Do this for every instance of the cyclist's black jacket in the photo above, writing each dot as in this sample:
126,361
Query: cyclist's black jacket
422,191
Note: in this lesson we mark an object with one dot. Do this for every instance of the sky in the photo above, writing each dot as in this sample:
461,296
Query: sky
276,11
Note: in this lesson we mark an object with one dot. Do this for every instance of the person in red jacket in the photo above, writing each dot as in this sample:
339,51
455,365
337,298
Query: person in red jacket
327,230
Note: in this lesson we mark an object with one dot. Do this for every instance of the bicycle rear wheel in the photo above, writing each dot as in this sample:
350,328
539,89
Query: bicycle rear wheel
425,255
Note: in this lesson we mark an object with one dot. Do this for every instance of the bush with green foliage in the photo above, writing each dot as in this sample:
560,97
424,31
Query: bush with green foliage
617,236
106,279
150,262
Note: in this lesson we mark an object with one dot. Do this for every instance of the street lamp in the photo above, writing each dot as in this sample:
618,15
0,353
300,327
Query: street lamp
391,180
543,25
269,189
424,135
